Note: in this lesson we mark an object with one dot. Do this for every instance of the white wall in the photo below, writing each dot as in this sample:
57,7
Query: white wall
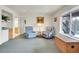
58,14
31,20
0,20
21,24
2,33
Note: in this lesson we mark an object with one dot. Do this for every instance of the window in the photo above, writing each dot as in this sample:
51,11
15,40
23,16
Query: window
75,23
70,24
65,25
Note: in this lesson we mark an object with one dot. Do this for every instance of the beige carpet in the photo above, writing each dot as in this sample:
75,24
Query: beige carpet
23,45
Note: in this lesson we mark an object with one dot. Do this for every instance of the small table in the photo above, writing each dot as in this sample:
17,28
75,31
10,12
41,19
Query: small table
39,33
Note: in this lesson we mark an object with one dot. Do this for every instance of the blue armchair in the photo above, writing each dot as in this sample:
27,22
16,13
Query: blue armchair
48,34
29,32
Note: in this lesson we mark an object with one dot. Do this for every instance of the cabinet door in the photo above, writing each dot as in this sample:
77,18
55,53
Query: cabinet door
10,33
73,47
17,30
61,44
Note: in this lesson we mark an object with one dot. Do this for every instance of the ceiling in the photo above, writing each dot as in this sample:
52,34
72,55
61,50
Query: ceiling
35,9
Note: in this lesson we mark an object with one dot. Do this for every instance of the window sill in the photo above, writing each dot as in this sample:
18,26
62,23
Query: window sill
75,37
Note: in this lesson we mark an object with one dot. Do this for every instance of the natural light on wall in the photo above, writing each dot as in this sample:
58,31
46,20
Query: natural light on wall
16,22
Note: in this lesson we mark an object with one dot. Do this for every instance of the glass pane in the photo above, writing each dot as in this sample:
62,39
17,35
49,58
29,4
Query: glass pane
75,23
66,23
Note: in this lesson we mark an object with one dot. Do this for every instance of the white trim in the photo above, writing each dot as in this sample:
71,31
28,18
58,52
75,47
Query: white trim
70,23
60,25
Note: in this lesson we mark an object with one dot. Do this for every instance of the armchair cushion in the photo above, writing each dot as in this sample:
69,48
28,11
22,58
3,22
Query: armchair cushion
49,34
29,32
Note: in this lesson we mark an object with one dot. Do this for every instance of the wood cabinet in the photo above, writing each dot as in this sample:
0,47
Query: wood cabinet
70,47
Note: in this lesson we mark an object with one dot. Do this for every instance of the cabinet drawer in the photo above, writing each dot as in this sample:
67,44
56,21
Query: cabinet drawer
73,47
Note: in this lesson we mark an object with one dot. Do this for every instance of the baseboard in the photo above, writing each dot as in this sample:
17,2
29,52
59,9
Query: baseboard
19,35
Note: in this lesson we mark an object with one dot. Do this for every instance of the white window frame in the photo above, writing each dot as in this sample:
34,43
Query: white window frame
68,12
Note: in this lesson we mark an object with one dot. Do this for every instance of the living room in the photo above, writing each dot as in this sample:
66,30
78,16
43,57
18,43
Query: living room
36,29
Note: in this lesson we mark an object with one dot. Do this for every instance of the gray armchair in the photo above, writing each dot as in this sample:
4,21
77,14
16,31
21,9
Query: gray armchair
49,33
29,32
